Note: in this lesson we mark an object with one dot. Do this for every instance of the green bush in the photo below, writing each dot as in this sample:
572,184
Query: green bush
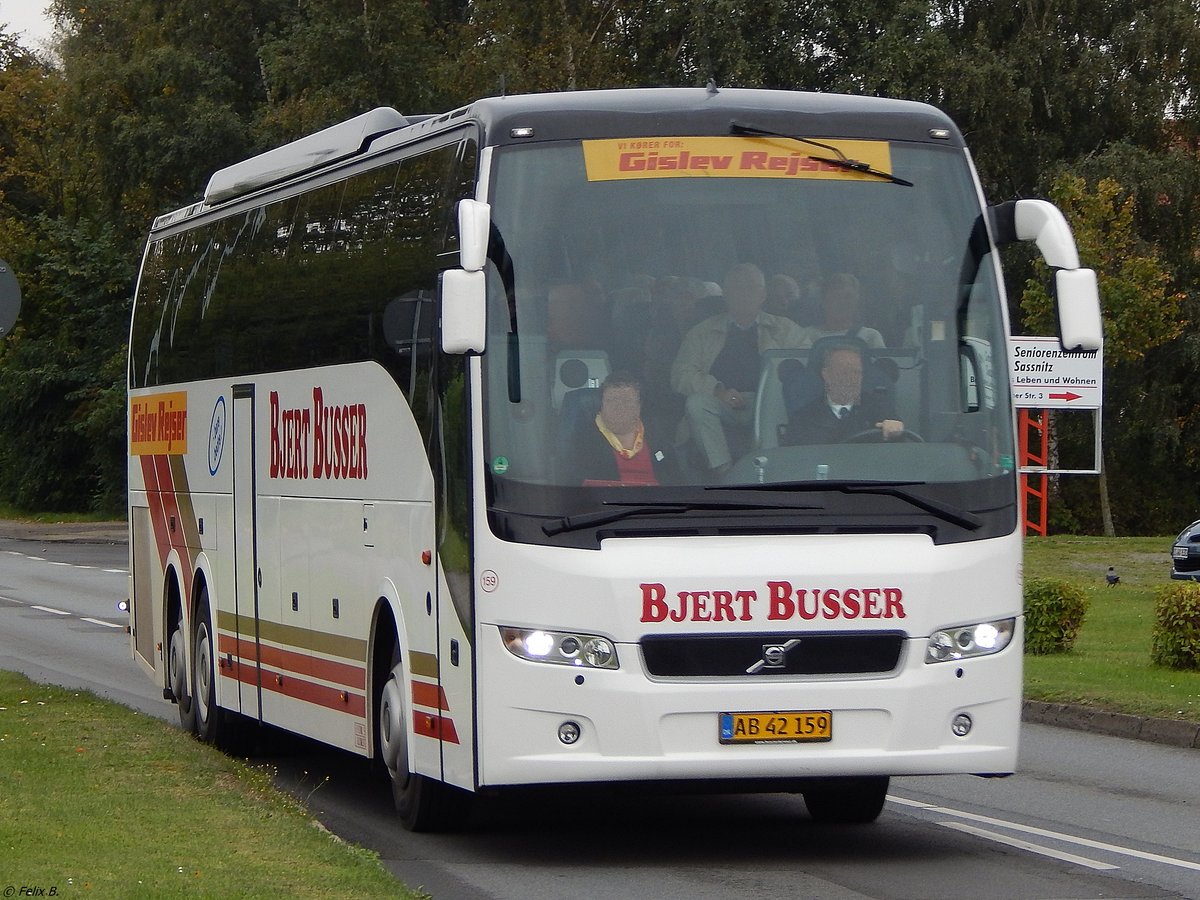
1054,612
1177,626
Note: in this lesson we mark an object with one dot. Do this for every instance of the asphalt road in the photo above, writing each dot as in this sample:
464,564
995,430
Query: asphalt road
1087,815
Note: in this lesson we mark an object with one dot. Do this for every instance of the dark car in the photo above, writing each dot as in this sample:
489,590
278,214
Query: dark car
1185,553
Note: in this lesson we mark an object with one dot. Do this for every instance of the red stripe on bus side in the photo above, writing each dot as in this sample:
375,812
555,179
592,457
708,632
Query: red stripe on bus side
430,695
299,689
436,727
158,518
295,663
160,492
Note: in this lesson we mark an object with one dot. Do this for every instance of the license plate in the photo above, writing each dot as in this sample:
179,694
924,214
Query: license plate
1179,552
772,727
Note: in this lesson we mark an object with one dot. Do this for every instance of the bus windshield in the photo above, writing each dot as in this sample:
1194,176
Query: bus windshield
743,332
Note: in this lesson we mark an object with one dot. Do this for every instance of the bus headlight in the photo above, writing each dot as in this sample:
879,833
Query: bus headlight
588,651
967,641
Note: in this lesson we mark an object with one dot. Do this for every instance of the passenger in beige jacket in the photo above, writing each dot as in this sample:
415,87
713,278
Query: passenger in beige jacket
717,367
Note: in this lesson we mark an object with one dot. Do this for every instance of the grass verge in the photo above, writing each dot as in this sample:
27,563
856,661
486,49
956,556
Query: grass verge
1110,666
98,800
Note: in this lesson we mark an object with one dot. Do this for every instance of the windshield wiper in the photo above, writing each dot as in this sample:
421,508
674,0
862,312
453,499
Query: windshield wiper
838,159
963,518
630,509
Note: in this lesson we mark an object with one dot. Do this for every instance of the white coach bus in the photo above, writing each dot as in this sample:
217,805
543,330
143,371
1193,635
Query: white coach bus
360,371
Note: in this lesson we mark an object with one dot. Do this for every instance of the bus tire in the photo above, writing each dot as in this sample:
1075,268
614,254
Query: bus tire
422,803
178,677
850,801
209,720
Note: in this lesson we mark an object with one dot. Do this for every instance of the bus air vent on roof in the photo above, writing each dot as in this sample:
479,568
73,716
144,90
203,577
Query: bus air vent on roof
335,143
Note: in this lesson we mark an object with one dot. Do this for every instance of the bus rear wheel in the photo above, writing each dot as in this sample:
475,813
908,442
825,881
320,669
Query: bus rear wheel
422,803
849,801
209,718
177,675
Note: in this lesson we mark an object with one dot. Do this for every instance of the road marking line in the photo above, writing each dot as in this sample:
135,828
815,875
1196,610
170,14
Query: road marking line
57,612
1053,835
1026,845
69,565
101,622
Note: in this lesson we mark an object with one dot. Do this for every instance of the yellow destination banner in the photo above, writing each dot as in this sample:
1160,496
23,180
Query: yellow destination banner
158,424
727,157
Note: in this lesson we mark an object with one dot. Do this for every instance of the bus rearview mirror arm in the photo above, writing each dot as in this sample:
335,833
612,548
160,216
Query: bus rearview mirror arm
1075,288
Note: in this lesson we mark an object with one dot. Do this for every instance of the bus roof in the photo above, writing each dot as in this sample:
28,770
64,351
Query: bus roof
645,112
628,112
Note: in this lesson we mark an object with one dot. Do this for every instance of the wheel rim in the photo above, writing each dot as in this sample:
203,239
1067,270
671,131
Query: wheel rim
177,666
393,730
203,671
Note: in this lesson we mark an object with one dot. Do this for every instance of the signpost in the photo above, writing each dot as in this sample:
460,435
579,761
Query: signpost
1044,377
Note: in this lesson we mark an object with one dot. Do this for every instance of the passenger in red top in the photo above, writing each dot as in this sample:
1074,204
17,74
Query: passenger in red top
614,449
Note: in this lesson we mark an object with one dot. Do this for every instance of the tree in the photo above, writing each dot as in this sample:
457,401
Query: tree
328,60
1141,308
162,93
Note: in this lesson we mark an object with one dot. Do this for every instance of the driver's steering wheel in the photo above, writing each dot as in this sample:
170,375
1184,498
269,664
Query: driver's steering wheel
875,436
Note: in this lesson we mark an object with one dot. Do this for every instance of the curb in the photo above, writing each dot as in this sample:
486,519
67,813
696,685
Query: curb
65,532
1172,732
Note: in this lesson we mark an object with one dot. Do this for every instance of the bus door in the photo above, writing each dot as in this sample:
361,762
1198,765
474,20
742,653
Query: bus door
247,573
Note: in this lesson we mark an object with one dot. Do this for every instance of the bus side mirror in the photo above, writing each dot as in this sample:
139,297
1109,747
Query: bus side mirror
464,311
474,224
1075,288
464,291
1078,295
10,298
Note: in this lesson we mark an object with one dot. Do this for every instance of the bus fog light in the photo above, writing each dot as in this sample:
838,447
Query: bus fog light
568,732
961,726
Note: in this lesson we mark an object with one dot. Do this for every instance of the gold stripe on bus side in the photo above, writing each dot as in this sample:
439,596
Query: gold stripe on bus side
293,636
183,499
425,664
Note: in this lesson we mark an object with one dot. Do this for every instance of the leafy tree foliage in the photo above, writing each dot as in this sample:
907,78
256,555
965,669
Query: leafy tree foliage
1094,102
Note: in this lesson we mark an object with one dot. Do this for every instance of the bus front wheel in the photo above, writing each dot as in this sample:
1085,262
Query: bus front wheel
850,801
422,803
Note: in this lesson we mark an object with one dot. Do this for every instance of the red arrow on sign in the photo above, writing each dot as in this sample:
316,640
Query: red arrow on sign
1068,396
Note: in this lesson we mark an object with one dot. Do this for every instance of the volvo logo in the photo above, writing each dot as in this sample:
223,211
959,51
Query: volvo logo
774,656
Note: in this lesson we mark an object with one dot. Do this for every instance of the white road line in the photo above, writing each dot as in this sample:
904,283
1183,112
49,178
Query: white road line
1053,835
67,564
60,612
1026,845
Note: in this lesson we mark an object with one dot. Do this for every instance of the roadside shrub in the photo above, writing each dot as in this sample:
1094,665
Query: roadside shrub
1177,626
1054,612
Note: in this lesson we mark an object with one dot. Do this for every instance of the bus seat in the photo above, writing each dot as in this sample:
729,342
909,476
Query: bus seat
907,393
577,369
631,317
770,413
579,409
577,315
